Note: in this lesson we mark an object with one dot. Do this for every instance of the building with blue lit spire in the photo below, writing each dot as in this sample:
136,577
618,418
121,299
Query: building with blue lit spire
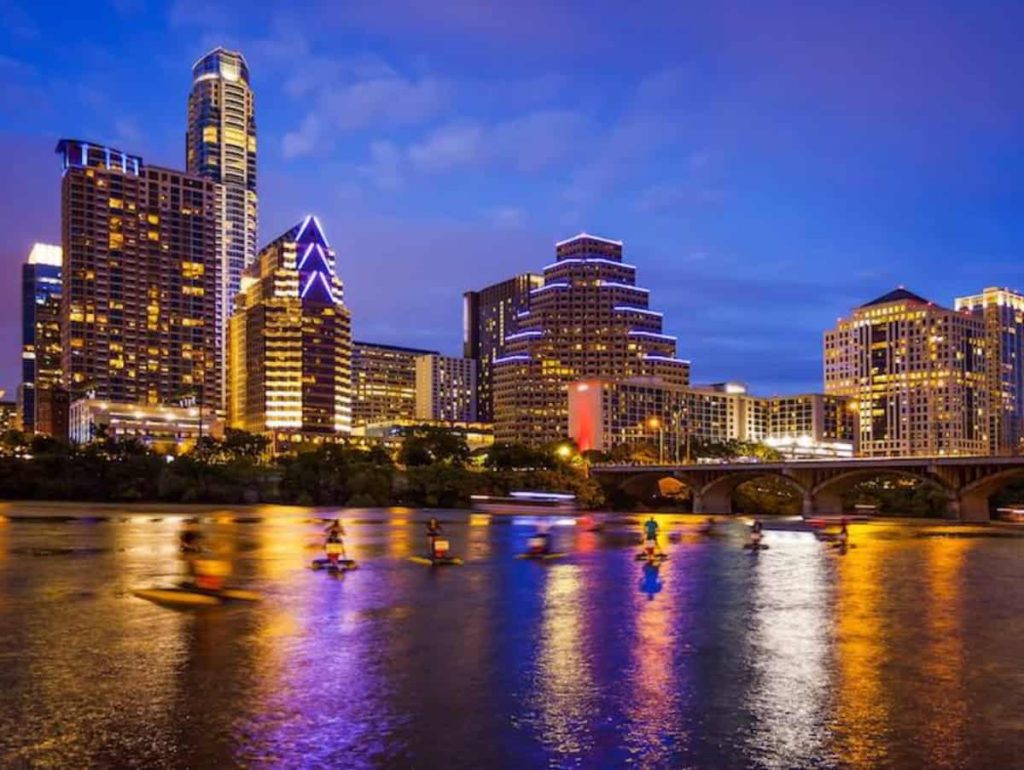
290,342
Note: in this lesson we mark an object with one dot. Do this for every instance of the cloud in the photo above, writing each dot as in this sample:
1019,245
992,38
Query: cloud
384,169
449,147
304,139
384,99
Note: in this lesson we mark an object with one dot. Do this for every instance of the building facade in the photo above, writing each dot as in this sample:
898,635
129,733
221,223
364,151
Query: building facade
1002,312
488,317
608,413
588,320
40,338
140,279
220,145
383,383
290,342
446,388
165,428
916,375
810,425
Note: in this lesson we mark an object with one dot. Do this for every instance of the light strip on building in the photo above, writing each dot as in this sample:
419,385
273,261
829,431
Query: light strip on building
631,309
642,333
549,286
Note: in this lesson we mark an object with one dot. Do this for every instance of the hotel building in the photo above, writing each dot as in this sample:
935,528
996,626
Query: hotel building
383,383
606,413
140,279
1002,313
220,145
588,320
488,317
40,339
290,342
446,388
916,374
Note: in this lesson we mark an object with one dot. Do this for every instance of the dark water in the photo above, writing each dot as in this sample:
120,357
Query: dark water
908,651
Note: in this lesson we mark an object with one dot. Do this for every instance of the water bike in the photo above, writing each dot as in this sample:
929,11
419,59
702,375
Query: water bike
439,554
756,543
538,547
192,595
650,554
333,561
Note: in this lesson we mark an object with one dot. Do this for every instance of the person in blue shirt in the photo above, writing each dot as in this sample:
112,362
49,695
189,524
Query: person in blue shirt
651,534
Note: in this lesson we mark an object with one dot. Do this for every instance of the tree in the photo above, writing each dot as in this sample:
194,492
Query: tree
507,457
426,445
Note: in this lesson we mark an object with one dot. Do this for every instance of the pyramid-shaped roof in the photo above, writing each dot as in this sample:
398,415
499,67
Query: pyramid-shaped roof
897,295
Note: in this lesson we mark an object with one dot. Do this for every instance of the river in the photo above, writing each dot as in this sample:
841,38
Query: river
902,652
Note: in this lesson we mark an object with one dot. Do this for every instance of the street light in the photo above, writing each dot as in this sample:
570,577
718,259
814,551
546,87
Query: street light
655,424
564,451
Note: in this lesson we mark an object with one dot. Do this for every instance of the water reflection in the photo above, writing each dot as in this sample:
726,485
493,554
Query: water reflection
790,649
652,716
901,653
566,693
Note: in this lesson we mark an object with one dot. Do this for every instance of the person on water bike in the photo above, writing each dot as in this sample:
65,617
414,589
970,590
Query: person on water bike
651,536
540,541
335,545
190,544
433,532
756,533
843,536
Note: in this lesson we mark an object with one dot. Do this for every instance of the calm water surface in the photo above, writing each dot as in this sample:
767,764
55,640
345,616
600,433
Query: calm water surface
904,652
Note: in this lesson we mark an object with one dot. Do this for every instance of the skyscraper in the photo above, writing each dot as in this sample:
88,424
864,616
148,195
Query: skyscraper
916,374
290,342
140,279
1002,312
383,383
40,333
488,317
220,145
589,319
445,388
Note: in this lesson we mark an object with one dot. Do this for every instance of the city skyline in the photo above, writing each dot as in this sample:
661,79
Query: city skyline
755,200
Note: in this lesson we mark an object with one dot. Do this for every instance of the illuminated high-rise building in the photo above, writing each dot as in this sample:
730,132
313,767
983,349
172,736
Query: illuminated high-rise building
1002,312
588,319
446,388
220,145
141,277
916,374
383,383
488,317
40,335
290,342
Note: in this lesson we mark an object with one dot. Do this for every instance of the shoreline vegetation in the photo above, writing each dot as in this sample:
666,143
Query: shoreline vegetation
430,468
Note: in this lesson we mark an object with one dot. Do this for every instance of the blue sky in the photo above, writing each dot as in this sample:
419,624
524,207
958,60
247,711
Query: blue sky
769,165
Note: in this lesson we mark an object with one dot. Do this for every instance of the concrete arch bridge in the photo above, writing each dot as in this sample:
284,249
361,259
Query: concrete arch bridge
968,482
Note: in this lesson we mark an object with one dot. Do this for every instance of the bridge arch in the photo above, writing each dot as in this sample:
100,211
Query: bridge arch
975,497
716,496
827,495
646,487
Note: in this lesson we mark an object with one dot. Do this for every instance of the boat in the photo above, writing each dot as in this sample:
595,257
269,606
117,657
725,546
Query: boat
185,595
1012,515
560,503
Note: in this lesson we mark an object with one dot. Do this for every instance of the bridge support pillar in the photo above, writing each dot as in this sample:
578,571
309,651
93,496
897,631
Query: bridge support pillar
712,502
808,504
969,507
828,502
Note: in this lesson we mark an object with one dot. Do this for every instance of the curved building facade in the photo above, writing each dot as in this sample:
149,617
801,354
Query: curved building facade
589,319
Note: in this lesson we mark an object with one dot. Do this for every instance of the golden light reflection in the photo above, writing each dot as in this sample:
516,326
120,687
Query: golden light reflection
566,689
863,708
943,677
